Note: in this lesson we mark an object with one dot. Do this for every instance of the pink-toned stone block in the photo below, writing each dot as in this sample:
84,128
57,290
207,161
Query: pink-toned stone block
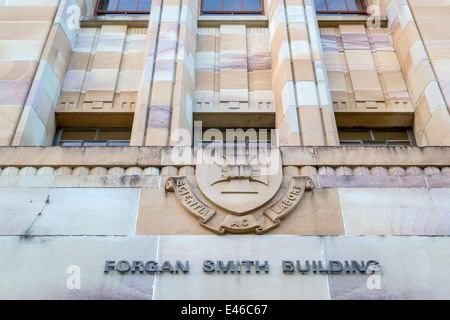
397,171
17,69
326,181
361,171
14,92
378,171
326,171
445,171
343,171
432,171
159,117
414,171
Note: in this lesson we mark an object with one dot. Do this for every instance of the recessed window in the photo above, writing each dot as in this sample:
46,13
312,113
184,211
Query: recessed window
233,7
123,7
237,137
97,137
391,137
341,6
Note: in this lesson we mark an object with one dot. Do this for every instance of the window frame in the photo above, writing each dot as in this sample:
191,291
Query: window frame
235,142
241,12
59,132
339,12
124,12
377,143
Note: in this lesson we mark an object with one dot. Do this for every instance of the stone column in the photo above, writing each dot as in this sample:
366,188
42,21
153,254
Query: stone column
167,84
33,60
286,120
183,94
38,124
302,33
233,77
143,101
300,81
419,33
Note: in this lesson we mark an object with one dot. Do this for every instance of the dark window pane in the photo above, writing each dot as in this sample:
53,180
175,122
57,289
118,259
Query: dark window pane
145,5
127,5
355,135
212,5
94,137
320,5
232,5
78,135
114,135
252,5
390,135
337,5
375,137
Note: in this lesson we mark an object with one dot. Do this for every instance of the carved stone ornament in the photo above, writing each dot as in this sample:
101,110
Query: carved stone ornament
239,187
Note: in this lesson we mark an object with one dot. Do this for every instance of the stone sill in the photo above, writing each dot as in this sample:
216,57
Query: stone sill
333,21
161,156
141,21
138,21
212,21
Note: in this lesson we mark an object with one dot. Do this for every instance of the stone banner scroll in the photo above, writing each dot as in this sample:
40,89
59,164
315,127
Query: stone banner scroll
258,221
189,200
290,199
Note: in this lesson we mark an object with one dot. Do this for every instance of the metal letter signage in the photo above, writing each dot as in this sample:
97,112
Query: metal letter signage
239,188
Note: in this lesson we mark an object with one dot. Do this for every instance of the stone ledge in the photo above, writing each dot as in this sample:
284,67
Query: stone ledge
332,21
161,156
134,21
373,181
214,21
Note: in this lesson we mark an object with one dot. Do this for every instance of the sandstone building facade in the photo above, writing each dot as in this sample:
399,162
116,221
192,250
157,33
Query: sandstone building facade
209,149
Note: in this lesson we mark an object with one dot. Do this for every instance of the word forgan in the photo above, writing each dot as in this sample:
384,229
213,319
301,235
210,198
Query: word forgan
232,266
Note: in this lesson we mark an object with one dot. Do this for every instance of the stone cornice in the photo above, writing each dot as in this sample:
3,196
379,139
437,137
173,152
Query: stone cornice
162,156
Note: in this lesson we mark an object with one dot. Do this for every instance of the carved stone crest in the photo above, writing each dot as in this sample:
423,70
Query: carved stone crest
239,185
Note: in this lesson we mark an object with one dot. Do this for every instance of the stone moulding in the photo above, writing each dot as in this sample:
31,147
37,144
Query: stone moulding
329,167
162,156
221,222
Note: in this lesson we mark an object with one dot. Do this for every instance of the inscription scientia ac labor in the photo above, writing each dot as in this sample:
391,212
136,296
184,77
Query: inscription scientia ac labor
238,188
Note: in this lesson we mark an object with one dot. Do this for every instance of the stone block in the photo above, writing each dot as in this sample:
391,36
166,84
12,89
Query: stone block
30,131
20,206
87,211
14,92
48,277
275,284
401,211
401,277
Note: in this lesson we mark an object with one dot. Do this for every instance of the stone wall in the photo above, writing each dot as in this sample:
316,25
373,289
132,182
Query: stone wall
66,211
384,191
